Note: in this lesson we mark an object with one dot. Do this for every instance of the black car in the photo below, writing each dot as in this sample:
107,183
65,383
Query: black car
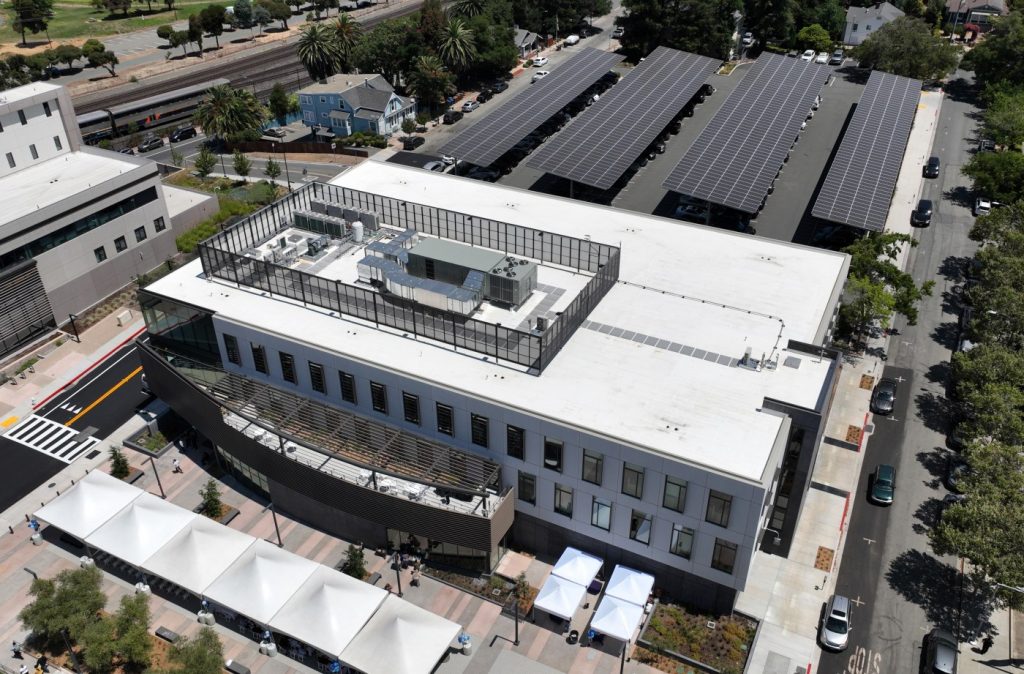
484,96
151,143
931,169
922,215
499,86
452,116
182,133
412,142
126,150
883,398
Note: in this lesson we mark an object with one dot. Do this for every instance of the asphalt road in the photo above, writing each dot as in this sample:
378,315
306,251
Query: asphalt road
901,587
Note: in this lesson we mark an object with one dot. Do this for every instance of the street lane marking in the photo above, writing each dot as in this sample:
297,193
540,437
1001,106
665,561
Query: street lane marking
8,422
51,438
98,375
104,396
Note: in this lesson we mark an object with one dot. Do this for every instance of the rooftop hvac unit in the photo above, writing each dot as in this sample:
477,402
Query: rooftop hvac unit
319,206
542,324
336,210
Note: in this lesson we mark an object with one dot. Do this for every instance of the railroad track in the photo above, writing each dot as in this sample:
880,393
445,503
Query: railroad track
257,71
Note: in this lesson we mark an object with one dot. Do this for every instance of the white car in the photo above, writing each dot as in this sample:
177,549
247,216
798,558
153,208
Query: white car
822,57
539,75
572,39
807,55
447,159
618,32
982,206
748,39
540,61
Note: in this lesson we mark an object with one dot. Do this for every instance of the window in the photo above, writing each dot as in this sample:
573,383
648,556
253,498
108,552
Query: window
478,427
632,480
259,358
288,367
675,494
10,160
719,505
57,143
724,557
348,387
515,439
316,378
46,109
682,541
640,527
120,244
563,500
411,408
553,454
601,514
21,117
140,234
100,253
159,225
231,349
446,420
527,487
323,99
593,466
33,151
379,397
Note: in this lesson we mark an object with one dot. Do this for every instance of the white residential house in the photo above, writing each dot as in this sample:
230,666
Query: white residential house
861,22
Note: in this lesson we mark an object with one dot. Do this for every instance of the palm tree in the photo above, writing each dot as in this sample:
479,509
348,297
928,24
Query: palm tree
430,81
348,31
319,51
457,48
467,8
227,112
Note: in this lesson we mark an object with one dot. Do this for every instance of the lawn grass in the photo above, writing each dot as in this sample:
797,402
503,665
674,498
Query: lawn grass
83,21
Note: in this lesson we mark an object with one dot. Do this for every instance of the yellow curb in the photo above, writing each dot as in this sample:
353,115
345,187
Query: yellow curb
8,422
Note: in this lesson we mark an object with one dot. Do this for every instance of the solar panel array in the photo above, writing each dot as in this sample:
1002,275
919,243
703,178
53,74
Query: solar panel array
499,131
598,147
736,157
860,183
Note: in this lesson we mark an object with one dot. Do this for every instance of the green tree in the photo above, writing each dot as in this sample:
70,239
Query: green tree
348,32
119,6
205,162
277,10
814,37
430,82
702,27
169,4
241,164
99,645
319,51
457,48
165,32
67,54
195,31
119,467
70,601
493,38
999,58
997,175
408,126
242,14
432,21
908,47
831,15
177,158
772,20
211,505
467,8
227,112
261,17
212,19
201,654
386,50
272,169
279,103
99,56
355,563
131,623
31,15
1004,117
179,38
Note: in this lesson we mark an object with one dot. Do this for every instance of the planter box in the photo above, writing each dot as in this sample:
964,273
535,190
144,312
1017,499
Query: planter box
134,475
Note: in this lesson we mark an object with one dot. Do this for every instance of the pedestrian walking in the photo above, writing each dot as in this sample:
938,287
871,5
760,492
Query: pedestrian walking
16,650
986,643
23,669
177,466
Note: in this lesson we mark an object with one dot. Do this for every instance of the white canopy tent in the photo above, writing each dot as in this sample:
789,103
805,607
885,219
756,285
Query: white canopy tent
260,581
560,597
141,528
617,618
197,554
577,566
328,610
630,585
400,638
89,504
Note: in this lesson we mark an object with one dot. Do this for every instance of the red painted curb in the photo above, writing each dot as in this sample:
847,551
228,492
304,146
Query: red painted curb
808,668
846,509
860,442
88,369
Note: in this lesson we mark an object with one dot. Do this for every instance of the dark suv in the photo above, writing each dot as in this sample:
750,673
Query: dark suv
922,215
412,142
151,143
499,86
182,133
931,169
452,116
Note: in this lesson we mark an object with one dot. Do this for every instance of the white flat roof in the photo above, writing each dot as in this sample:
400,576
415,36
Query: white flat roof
56,179
18,94
179,200
654,367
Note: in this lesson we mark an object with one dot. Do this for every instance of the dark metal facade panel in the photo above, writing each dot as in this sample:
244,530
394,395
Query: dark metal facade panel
736,157
499,131
24,306
598,146
860,183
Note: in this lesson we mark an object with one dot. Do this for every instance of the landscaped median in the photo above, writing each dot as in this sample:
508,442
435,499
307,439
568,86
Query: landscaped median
676,640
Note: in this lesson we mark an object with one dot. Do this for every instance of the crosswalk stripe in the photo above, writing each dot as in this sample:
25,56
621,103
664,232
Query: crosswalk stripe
50,437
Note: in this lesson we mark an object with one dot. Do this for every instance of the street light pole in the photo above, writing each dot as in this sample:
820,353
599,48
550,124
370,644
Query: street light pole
286,175
398,572
515,602
163,495
273,514
74,327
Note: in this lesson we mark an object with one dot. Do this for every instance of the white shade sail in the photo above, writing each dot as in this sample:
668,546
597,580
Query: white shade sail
560,597
577,566
195,556
400,638
328,610
260,581
617,618
140,529
89,504
629,585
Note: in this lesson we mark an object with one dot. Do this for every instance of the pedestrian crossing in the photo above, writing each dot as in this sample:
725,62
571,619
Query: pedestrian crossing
51,437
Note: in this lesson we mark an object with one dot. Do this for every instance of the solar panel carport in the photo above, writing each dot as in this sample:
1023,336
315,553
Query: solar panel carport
598,147
498,132
860,183
736,157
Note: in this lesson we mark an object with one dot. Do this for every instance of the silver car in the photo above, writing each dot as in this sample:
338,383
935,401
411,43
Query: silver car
835,627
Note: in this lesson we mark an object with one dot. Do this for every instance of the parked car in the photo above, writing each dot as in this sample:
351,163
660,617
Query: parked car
182,133
748,39
822,57
922,215
835,625
539,75
412,142
982,206
470,106
151,143
447,159
816,104
940,652
986,145
275,131
659,147
126,150
956,470
483,173
484,96
540,61
792,53
572,39
618,32
883,484
807,55
883,398
434,166
499,86
931,169
707,89
837,58
452,116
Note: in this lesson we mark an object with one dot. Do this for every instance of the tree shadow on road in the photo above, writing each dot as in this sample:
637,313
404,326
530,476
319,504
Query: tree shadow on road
946,334
961,195
938,373
952,267
929,511
934,461
934,411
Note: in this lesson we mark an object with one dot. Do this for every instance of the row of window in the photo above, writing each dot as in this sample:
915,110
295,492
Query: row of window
120,245
719,504
33,151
